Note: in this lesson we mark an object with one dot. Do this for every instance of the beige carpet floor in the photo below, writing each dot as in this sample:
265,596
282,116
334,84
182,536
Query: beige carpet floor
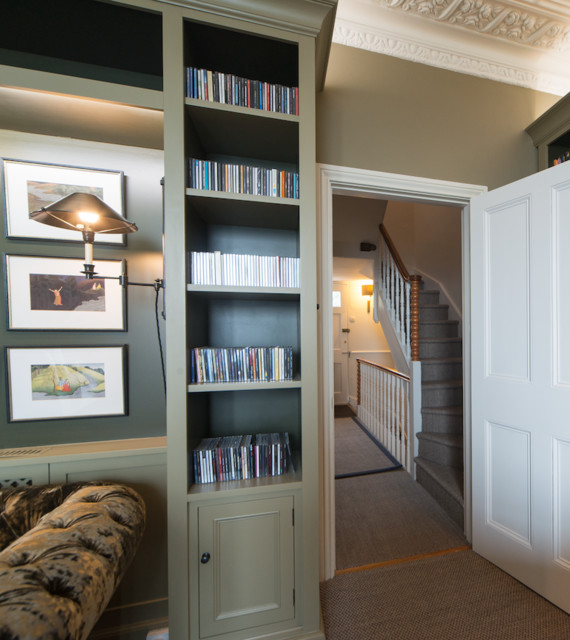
459,596
356,452
456,595
386,516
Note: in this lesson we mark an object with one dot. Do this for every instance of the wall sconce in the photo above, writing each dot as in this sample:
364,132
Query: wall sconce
89,215
368,290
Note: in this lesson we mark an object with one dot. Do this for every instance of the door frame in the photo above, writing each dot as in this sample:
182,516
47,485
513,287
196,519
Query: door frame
337,180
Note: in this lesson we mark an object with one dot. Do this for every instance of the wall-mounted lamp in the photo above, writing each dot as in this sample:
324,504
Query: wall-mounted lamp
368,290
89,215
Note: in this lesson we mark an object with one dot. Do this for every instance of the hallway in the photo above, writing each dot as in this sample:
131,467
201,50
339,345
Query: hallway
405,572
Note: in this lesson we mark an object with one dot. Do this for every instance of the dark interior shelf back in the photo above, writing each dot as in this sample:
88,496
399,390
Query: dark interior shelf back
244,55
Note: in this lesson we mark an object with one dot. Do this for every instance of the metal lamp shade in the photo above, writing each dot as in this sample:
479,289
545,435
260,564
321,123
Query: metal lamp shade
69,213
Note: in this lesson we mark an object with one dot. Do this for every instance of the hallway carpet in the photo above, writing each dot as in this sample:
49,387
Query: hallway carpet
356,453
459,596
386,516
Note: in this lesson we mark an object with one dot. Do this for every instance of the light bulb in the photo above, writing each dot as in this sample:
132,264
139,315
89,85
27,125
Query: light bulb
88,217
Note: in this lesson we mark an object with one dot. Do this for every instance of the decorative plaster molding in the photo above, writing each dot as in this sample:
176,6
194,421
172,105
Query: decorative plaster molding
410,48
503,19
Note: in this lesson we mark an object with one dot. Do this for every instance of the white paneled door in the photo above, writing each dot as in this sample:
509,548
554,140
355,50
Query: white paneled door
520,336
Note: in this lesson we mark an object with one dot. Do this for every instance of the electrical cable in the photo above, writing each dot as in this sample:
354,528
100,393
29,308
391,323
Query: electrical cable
157,287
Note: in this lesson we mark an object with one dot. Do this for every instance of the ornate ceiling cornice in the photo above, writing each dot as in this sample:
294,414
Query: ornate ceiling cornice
508,19
430,32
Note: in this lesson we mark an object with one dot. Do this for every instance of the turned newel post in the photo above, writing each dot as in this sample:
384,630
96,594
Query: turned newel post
415,282
357,381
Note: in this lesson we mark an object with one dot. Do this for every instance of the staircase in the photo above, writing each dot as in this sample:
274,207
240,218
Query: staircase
439,465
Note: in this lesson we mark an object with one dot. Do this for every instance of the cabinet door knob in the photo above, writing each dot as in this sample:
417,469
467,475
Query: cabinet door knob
205,557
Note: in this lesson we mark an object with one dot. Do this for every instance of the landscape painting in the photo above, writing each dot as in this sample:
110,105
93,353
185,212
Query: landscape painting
46,383
51,294
29,186
40,194
52,381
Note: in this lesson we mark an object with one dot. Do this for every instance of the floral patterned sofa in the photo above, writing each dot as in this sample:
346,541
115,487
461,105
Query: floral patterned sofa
63,551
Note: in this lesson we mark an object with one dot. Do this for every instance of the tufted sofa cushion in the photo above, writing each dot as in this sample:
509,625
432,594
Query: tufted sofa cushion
66,548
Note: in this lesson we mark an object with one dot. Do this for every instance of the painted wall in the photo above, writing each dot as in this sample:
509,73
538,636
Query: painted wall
366,339
428,238
355,220
143,169
381,113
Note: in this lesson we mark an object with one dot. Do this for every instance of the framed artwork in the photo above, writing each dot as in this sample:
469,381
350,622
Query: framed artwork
51,294
29,186
49,383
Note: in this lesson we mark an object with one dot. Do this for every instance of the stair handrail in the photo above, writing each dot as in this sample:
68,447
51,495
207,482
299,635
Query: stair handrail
375,365
400,292
395,254
383,406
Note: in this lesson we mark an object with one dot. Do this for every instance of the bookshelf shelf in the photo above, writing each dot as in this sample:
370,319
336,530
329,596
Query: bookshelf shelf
223,131
237,209
212,387
251,293
253,486
195,103
242,197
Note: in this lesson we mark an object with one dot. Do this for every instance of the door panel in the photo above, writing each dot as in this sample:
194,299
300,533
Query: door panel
247,579
520,372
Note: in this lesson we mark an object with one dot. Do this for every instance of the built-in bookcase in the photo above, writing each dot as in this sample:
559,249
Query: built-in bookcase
240,183
220,217
550,134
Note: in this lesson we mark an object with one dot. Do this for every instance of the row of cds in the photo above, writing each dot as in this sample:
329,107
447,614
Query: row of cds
241,364
237,270
211,175
227,88
242,457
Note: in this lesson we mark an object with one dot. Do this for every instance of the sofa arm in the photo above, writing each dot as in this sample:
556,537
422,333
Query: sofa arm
56,579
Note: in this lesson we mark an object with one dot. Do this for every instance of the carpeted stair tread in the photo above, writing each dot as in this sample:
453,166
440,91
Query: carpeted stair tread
454,411
438,340
442,322
450,359
442,383
449,479
446,439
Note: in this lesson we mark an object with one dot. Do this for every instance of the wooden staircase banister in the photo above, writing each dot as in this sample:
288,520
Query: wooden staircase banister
397,258
388,370
415,283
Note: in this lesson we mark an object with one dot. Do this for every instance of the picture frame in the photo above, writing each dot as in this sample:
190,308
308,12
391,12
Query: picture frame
51,294
28,186
54,383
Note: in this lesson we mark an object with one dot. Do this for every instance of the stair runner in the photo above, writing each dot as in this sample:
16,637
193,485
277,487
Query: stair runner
439,465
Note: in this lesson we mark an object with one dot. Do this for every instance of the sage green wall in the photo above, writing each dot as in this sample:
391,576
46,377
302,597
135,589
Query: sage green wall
143,169
381,113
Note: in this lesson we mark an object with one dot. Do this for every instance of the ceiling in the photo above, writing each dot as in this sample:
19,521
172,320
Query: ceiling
520,42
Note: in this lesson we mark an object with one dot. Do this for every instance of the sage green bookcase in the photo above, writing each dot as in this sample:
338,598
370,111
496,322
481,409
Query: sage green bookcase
550,133
243,554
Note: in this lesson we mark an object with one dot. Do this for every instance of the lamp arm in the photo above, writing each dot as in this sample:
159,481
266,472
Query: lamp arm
89,273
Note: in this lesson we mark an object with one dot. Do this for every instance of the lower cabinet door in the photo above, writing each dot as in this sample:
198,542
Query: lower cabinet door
246,564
